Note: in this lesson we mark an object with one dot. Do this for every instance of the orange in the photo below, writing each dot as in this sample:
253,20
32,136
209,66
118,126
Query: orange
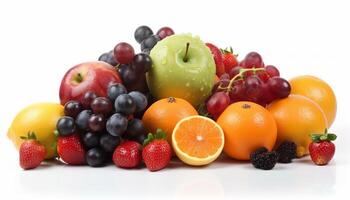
318,91
297,117
197,140
247,126
165,113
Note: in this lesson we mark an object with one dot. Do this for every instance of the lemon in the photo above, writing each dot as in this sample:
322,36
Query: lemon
40,118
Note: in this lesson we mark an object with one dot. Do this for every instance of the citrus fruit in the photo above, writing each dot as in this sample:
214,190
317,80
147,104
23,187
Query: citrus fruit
165,113
247,126
297,117
318,91
40,118
197,140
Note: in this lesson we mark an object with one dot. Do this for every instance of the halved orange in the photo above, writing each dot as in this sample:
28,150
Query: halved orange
197,140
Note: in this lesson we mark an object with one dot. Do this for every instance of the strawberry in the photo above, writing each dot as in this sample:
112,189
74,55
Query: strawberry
31,152
322,149
220,68
229,59
71,150
156,152
127,154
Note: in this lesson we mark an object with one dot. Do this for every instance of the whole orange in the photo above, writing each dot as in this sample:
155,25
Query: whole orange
165,113
297,117
318,91
247,126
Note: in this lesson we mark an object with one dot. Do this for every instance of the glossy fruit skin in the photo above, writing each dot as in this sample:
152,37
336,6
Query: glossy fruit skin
72,108
114,90
95,157
157,155
123,53
88,98
65,126
96,77
91,140
117,124
296,109
321,152
218,103
141,63
149,42
318,91
139,99
71,150
128,74
279,87
97,123
220,67
82,120
142,32
165,32
102,105
125,104
109,142
128,155
31,154
165,113
44,125
272,71
253,59
135,128
230,61
108,57
247,126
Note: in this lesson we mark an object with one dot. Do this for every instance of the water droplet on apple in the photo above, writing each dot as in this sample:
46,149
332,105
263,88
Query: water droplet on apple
164,61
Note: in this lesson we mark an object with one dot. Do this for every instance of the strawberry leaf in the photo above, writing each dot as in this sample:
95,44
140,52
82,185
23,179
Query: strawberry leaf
159,135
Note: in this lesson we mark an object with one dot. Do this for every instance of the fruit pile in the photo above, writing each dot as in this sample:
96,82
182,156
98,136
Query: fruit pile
179,97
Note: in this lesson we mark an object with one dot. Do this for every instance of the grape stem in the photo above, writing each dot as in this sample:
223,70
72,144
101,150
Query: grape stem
239,76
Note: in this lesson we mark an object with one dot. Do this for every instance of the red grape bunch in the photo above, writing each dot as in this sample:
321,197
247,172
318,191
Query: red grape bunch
252,81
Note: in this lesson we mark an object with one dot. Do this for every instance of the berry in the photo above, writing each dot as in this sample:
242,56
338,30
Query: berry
142,32
156,152
31,152
82,120
65,126
87,99
141,63
114,90
149,42
128,74
272,71
108,57
286,151
253,59
109,142
102,105
123,53
91,140
72,108
95,157
253,87
279,87
262,159
234,71
139,99
321,148
125,104
220,68
117,124
165,32
229,59
70,150
217,103
135,128
97,122
127,155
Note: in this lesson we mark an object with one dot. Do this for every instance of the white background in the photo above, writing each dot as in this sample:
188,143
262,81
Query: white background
41,40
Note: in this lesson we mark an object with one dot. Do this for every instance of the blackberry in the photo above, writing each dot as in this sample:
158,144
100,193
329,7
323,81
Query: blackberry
286,151
263,159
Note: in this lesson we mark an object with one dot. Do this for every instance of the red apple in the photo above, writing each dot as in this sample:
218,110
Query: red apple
90,76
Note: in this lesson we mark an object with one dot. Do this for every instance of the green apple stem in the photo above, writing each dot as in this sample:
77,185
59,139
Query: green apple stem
186,53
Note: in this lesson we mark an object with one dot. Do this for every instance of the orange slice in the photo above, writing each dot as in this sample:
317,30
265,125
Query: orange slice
197,140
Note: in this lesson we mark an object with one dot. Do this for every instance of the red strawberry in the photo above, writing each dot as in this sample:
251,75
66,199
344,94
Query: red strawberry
156,152
220,68
31,152
71,150
229,59
322,149
127,154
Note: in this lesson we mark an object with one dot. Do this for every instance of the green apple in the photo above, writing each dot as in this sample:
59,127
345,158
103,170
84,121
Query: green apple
183,67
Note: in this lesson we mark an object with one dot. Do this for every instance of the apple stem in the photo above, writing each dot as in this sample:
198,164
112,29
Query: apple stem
79,78
186,53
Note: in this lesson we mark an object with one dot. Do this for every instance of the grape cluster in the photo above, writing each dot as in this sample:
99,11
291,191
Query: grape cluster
103,122
252,81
